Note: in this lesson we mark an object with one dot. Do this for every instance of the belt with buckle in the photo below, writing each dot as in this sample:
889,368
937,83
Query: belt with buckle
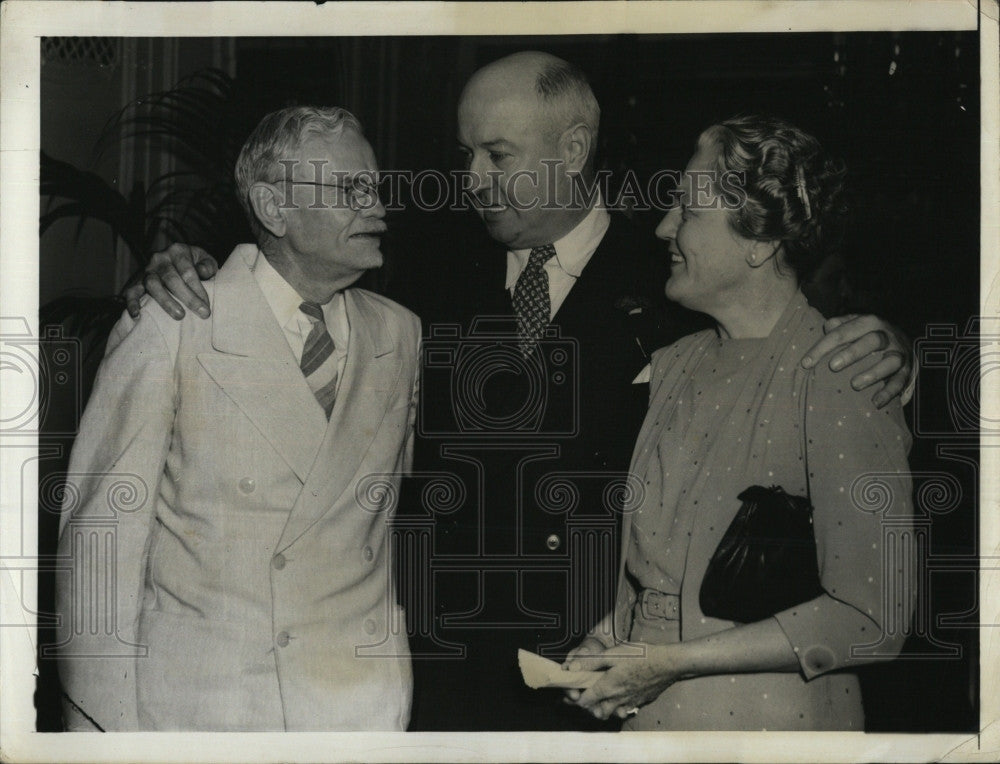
656,604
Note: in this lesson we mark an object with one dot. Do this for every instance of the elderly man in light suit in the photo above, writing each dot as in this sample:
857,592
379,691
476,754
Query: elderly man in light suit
251,577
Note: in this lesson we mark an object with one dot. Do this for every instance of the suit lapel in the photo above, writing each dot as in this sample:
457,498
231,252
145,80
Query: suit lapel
591,308
255,367
492,296
602,280
371,375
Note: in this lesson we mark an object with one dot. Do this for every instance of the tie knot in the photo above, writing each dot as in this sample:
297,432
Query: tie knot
541,255
313,310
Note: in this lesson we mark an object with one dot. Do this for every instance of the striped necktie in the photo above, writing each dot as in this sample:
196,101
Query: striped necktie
319,366
531,299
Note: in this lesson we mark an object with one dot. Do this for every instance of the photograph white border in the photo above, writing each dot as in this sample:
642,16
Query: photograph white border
22,23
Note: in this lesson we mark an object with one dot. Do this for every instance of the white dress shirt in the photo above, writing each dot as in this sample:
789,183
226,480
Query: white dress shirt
573,252
295,325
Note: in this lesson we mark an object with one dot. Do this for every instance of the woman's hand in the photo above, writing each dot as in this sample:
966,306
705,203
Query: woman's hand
575,661
590,646
635,674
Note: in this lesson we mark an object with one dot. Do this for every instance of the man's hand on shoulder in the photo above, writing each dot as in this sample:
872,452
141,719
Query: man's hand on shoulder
856,339
173,278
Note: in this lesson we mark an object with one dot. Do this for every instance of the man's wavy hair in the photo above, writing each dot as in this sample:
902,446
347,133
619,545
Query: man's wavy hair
277,136
790,191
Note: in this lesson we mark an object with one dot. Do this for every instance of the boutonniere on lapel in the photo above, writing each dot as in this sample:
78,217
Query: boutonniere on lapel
635,308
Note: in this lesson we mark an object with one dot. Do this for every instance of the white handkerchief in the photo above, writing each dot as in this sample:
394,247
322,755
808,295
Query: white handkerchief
643,376
540,672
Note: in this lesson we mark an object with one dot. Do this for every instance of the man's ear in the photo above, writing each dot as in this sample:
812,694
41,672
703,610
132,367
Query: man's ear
575,145
268,208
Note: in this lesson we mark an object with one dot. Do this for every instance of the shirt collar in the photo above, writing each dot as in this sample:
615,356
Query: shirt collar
280,295
573,250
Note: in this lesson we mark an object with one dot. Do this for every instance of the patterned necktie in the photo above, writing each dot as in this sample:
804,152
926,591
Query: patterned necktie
531,299
318,362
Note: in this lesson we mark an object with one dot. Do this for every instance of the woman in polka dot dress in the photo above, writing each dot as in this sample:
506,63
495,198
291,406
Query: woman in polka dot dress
732,408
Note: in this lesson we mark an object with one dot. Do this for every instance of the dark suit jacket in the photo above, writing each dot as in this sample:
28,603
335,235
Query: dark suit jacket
509,532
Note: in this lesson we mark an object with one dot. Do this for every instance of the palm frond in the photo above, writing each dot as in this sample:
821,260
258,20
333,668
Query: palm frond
184,120
197,123
91,197
86,318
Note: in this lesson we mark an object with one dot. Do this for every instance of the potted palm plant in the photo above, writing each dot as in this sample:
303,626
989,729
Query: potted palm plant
198,124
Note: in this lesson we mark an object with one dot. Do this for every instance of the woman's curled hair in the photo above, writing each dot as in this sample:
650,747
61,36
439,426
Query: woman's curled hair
791,191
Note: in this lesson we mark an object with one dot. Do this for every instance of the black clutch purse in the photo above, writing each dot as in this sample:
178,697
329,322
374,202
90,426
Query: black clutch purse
766,562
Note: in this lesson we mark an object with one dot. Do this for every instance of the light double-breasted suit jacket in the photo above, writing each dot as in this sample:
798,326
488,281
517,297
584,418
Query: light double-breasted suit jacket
240,575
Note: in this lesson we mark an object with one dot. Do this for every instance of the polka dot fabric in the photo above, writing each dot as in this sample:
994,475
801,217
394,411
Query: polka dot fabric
728,414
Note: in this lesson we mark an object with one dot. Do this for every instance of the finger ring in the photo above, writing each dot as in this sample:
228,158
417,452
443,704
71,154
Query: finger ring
632,711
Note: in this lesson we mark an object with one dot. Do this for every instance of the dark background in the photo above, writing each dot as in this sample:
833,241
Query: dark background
902,109
910,139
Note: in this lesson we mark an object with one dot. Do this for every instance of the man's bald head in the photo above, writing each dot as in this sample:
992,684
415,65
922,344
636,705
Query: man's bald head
527,125
559,87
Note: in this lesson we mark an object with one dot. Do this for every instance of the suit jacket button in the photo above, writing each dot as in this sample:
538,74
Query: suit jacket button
247,485
282,639
369,626
278,561
368,553
553,542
